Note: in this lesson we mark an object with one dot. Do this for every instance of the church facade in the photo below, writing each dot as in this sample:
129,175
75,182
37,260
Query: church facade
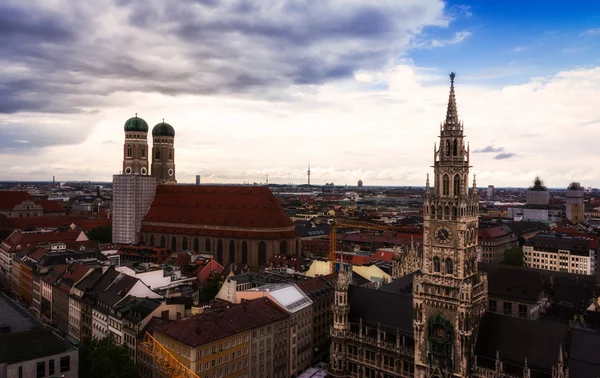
427,322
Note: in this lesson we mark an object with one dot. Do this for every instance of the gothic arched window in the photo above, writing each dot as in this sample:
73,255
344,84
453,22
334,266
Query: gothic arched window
173,244
231,251
170,154
436,264
220,251
283,247
448,148
163,242
456,185
196,245
449,266
454,212
446,185
143,152
433,211
244,252
184,245
152,240
455,148
262,253
207,245
128,151
157,155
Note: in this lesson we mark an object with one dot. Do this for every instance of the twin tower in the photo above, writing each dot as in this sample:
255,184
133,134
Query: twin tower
136,152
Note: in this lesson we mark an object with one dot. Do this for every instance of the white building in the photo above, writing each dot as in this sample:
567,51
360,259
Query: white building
132,196
560,253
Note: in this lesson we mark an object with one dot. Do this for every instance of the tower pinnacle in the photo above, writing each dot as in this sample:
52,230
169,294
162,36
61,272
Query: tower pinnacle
452,122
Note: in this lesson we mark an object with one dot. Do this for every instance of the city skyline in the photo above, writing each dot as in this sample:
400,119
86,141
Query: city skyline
360,90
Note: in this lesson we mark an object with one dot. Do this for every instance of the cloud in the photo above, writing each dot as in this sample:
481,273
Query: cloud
591,32
518,49
435,43
109,142
504,155
489,149
61,57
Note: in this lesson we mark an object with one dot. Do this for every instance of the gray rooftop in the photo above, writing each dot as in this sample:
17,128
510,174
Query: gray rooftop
15,317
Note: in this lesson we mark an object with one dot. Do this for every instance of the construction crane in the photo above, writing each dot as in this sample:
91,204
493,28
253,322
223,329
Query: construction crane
346,223
168,363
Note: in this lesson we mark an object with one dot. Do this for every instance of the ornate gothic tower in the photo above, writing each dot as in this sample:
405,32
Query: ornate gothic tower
449,292
135,148
163,153
341,325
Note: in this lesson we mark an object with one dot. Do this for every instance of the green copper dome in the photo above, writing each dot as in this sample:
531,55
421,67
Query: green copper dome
136,124
163,129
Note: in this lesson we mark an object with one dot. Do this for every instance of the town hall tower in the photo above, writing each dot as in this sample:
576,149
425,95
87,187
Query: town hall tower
449,292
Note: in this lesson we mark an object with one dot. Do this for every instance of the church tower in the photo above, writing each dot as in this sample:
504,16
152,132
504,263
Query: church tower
163,153
135,148
341,325
449,292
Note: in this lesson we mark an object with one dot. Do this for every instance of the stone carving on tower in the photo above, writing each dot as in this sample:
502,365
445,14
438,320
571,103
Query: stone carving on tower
163,153
135,148
406,260
341,325
449,292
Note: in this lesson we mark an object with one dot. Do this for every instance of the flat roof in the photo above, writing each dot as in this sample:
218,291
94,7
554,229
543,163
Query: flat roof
16,317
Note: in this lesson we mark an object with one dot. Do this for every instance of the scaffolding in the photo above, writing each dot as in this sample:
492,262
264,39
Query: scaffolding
168,364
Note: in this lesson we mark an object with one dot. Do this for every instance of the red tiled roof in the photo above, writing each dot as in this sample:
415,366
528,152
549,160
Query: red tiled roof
50,206
55,274
10,198
34,238
316,283
491,233
361,260
90,224
38,222
226,321
382,255
37,253
72,275
244,212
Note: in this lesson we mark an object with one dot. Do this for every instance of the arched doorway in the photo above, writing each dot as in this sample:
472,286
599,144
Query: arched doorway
262,253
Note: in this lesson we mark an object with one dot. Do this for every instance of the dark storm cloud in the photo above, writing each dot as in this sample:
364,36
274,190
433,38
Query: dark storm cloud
489,149
504,155
69,56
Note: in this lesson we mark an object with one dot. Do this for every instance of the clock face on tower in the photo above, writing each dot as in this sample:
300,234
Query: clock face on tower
443,234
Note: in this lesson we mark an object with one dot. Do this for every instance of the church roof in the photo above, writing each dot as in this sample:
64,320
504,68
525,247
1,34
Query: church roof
583,353
215,210
367,304
516,339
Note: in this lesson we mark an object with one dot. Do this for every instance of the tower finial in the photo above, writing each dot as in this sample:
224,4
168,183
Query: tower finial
163,120
135,114
452,122
427,182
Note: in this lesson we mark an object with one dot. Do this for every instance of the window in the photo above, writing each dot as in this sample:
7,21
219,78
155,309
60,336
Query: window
50,367
143,152
449,266
65,364
436,264
20,371
507,308
455,148
199,354
157,155
522,311
493,305
456,185
214,349
199,368
213,363
41,369
446,185
128,151
206,366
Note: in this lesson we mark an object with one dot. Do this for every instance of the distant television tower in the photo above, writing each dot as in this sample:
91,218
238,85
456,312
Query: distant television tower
308,173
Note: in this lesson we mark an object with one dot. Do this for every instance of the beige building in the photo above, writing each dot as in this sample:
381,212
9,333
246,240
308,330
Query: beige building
575,203
219,342
493,241
299,307
560,253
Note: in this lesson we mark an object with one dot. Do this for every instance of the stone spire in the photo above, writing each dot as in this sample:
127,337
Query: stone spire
452,122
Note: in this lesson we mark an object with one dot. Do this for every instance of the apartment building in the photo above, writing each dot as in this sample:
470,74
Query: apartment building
218,342
561,253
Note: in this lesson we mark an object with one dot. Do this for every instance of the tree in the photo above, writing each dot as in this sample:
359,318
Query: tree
105,358
101,234
209,291
514,256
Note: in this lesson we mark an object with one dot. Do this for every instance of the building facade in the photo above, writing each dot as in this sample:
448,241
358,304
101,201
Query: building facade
132,195
163,153
560,253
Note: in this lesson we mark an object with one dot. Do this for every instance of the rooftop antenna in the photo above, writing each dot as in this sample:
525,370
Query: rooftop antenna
308,173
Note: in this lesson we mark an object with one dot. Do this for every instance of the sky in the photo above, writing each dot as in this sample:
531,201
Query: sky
259,89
